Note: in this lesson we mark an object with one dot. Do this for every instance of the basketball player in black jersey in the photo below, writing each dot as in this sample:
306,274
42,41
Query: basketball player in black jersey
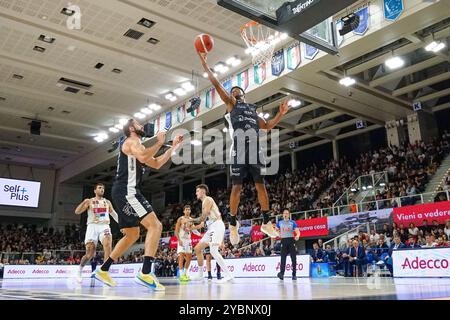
132,208
242,115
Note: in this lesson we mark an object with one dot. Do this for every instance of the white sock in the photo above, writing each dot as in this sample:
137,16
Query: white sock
200,271
219,259
184,271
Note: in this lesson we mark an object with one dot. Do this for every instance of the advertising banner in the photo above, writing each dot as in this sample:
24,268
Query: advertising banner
421,263
439,211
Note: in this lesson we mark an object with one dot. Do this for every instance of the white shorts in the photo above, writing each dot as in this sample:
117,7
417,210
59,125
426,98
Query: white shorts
215,233
94,232
186,246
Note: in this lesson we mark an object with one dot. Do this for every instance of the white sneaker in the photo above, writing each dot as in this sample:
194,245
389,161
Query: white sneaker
225,279
234,234
197,278
269,230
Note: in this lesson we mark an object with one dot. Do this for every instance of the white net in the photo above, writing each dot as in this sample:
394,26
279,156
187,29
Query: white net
260,41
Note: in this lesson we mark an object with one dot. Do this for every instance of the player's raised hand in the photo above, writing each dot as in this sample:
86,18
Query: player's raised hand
203,57
284,107
177,141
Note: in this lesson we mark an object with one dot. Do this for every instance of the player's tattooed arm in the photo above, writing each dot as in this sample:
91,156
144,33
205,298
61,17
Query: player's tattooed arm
82,207
206,209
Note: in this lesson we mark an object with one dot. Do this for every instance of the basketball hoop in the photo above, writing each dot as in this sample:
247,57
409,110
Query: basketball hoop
260,41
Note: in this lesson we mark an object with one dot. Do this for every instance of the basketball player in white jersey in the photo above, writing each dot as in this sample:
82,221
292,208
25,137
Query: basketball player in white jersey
98,209
183,230
213,238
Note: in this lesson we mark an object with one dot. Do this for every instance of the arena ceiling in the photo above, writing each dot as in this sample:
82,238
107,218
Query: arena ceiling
31,85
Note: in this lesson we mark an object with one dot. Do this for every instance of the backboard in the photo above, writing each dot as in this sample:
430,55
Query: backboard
309,21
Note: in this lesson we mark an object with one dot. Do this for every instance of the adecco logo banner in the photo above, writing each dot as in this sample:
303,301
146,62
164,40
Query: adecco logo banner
19,193
43,271
259,267
422,263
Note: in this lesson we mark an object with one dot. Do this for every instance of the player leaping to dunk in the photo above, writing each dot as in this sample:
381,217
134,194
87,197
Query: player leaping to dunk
213,237
243,115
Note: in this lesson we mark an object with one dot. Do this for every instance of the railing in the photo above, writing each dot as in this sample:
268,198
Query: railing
346,235
375,205
366,183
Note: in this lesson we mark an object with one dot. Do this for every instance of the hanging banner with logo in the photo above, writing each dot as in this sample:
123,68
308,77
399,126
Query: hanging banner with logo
210,99
181,113
278,62
259,73
364,20
393,9
310,52
439,211
227,85
243,80
293,56
194,108
168,120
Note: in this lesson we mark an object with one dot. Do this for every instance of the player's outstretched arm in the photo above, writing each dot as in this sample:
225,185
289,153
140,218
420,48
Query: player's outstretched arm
269,125
227,98
82,207
145,154
157,163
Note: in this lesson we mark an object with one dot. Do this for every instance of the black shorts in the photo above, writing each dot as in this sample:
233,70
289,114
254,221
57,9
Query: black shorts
207,250
239,171
131,209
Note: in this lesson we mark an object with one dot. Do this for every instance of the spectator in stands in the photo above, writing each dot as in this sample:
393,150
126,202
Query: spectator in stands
320,243
441,242
447,229
317,253
403,233
412,242
357,257
425,228
396,245
374,236
353,206
387,231
413,230
429,242
344,258
435,228
330,254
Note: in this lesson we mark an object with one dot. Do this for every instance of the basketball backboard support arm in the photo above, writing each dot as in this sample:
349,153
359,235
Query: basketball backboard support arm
293,17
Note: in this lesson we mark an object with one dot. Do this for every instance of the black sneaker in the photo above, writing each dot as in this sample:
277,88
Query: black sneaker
219,276
294,277
209,277
280,275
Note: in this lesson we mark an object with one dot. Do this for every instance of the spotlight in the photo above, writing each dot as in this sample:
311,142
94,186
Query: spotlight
435,46
394,63
347,81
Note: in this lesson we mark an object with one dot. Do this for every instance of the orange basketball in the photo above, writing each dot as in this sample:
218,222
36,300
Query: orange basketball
204,43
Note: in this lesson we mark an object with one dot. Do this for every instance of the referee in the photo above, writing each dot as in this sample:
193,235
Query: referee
286,228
